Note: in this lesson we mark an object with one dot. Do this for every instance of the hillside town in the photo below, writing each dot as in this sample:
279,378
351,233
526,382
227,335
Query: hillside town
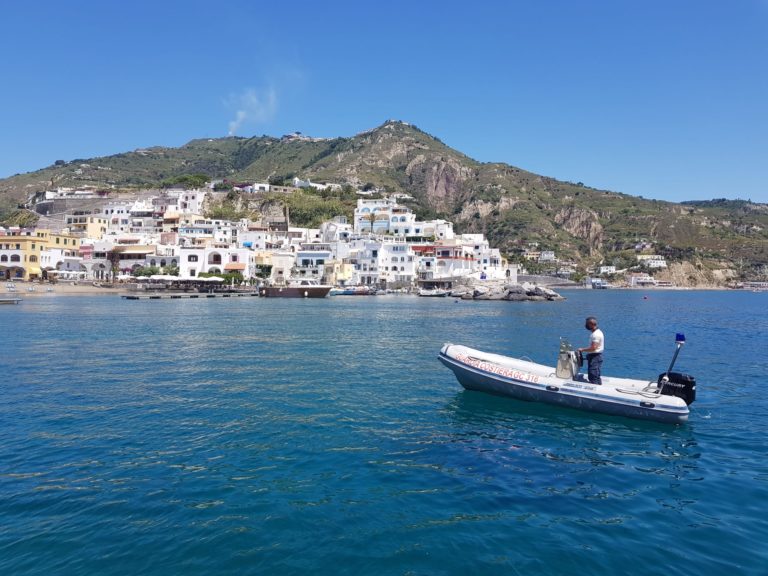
92,236
88,236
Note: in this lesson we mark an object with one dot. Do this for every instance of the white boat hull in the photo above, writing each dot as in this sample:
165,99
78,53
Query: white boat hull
505,376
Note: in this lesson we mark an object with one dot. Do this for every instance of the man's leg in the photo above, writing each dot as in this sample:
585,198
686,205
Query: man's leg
595,368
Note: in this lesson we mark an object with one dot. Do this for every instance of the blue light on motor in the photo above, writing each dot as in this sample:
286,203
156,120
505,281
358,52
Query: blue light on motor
679,338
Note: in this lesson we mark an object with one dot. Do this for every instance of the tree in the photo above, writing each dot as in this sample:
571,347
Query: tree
371,217
188,180
264,271
114,260
146,271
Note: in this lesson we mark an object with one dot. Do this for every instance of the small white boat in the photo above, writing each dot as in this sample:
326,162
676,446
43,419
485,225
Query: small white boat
304,288
434,292
664,400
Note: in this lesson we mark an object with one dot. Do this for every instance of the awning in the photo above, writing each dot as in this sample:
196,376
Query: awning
234,266
135,250
34,270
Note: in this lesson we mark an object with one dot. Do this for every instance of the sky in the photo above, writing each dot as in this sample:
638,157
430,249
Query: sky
664,99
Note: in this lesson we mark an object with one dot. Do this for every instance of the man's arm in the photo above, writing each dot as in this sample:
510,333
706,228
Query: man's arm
592,347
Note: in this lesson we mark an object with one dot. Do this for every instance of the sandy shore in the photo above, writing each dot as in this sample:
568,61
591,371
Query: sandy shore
29,289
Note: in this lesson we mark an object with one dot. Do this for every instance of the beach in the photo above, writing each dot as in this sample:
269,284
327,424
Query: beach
25,289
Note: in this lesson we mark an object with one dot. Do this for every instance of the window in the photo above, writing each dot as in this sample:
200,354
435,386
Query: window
192,258
15,258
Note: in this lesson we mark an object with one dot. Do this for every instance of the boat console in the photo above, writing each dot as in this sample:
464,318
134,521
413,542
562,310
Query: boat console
568,361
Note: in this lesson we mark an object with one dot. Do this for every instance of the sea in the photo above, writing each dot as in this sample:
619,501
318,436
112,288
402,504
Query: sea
279,436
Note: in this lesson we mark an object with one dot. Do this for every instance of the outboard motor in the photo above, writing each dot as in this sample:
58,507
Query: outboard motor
675,383
678,384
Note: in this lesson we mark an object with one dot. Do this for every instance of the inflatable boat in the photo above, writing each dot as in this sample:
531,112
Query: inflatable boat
665,399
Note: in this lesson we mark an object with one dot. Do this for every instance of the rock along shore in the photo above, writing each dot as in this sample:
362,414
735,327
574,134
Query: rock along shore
499,290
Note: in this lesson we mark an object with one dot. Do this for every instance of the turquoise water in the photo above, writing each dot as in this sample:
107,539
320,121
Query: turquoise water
268,436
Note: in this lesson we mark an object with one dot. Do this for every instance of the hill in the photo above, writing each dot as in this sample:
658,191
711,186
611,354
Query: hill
510,205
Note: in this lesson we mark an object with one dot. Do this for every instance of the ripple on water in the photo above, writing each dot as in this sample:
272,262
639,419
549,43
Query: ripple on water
267,436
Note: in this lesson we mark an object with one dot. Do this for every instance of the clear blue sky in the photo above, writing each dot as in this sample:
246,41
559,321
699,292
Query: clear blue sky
663,99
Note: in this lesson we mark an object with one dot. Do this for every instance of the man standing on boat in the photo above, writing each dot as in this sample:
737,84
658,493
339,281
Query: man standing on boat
595,350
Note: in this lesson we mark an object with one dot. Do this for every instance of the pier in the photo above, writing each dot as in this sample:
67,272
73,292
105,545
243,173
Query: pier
187,296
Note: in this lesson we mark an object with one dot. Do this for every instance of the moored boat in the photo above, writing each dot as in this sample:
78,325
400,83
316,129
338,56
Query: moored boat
433,293
9,299
305,288
354,291
665,399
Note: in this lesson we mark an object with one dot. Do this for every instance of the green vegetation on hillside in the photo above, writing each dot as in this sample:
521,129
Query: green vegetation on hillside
508,204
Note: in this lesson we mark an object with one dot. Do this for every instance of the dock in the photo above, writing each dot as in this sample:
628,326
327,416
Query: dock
184,296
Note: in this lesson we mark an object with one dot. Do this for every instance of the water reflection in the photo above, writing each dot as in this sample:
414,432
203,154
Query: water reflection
566,451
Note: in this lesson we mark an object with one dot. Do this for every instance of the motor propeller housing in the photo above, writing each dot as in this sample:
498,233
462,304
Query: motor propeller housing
678,384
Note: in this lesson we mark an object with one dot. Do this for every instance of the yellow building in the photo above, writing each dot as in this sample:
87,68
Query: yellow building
87,225
21,253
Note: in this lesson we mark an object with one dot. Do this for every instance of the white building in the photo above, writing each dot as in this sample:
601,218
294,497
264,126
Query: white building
366,263
118,214
547,256
385,216
189,201
397,264
311,260
640,280
372,215
216,260
487,261
299,183
282,265
652,260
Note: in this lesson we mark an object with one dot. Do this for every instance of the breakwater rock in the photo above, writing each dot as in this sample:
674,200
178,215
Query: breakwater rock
524,292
